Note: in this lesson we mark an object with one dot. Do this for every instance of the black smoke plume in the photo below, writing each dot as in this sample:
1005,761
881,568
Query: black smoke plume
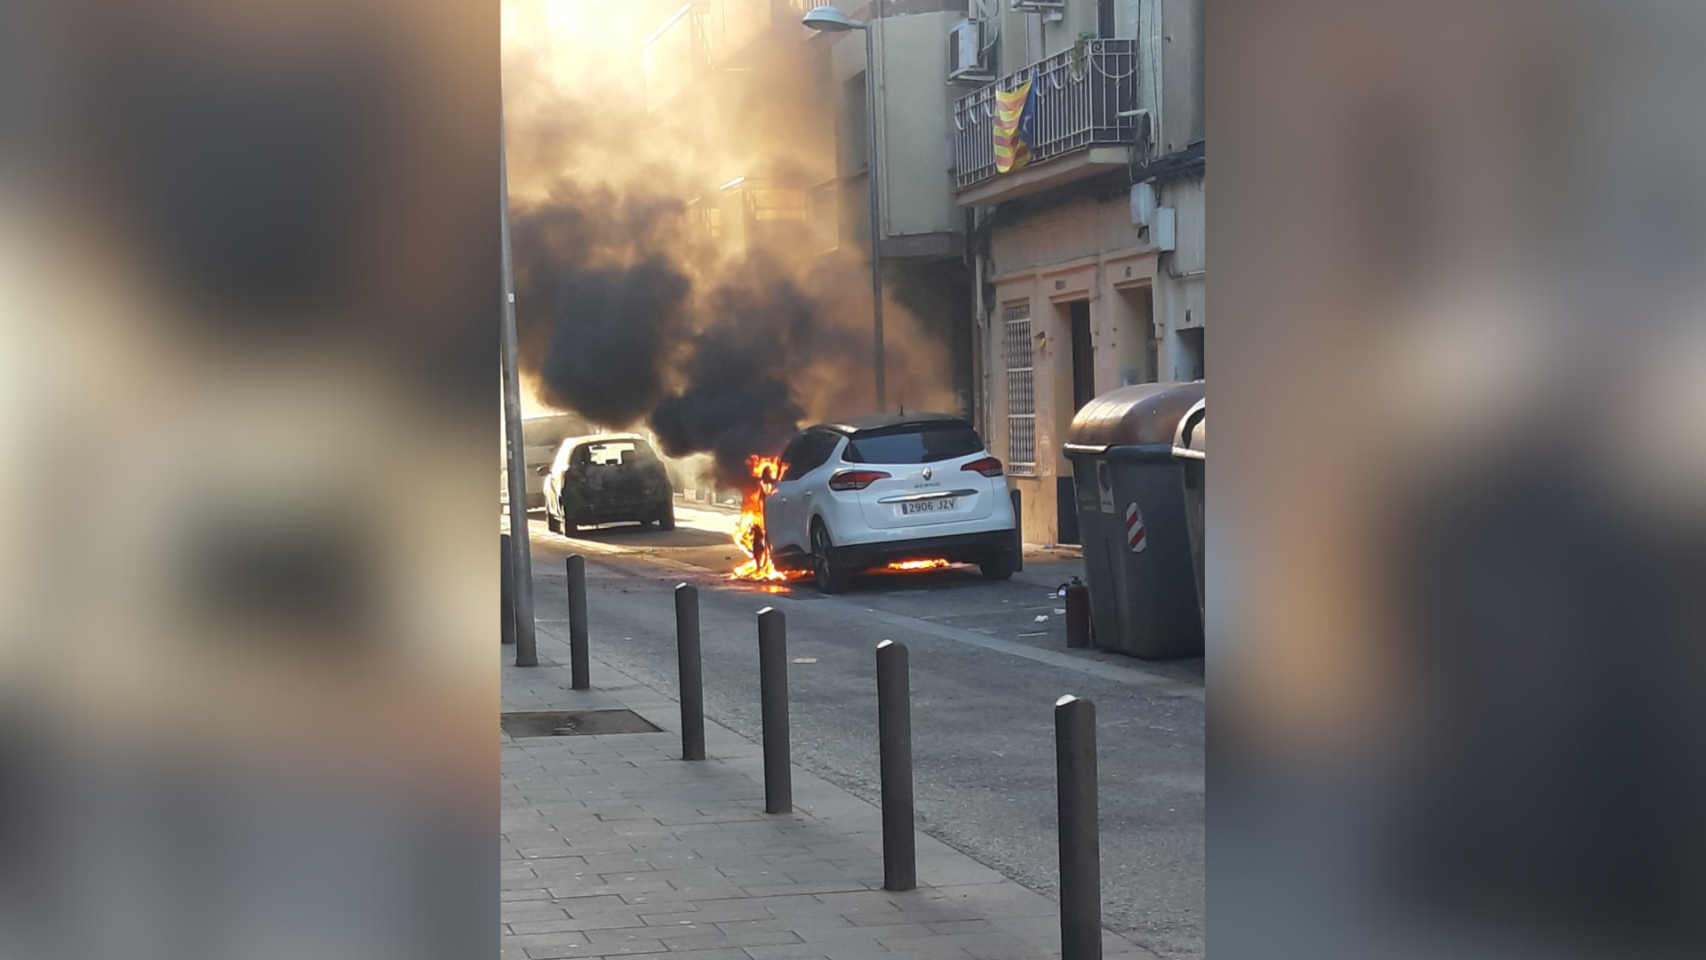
637,305
612,327
738,396
618,325
598,303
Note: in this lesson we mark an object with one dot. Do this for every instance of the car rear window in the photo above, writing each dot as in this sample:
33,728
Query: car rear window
618,452
914,443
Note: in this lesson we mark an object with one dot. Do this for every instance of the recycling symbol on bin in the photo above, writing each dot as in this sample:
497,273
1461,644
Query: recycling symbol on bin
1135,536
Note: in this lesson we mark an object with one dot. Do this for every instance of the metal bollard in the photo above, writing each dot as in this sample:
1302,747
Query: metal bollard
1077,614
1080,831
506,591
894,746
580,671
692,676
1018,531
773,712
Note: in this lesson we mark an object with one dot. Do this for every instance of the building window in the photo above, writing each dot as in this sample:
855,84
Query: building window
856,151
1021,400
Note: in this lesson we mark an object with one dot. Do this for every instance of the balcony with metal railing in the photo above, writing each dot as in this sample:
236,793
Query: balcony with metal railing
1087,117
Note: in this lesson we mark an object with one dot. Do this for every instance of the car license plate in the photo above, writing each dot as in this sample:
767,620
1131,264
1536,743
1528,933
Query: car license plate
926,506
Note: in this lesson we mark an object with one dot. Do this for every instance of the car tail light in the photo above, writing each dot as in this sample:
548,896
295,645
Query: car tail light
856,479
988,466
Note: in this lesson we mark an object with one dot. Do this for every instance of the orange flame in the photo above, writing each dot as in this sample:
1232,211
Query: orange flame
910,565
749,532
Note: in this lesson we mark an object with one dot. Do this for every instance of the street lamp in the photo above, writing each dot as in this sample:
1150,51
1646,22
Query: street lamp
831,20
520,543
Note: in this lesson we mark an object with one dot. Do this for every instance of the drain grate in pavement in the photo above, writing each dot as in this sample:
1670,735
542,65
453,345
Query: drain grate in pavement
575,723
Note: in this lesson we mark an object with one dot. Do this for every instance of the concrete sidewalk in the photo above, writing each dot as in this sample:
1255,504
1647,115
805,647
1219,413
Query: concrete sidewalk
613,847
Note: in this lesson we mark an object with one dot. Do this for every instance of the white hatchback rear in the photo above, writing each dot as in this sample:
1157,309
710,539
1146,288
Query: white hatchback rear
861,493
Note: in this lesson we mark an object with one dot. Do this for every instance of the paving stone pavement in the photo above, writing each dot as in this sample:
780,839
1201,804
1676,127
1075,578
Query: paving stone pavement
613,846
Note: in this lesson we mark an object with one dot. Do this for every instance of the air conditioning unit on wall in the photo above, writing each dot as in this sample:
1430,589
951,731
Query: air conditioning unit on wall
967,59
1039,4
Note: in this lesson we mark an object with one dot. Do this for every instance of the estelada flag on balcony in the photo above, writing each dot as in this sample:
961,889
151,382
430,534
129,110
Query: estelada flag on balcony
1015,127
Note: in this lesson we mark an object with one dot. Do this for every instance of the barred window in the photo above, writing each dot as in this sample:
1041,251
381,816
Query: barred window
1021,400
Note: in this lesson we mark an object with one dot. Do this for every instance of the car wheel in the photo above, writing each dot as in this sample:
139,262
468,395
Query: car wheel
997,565
666,517
831,578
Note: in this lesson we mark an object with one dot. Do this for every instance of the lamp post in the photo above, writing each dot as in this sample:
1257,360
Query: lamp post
526,650
831,20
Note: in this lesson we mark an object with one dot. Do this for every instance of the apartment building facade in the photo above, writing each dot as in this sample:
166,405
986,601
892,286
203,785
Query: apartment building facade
742,65
1081,271
921,233
1089,259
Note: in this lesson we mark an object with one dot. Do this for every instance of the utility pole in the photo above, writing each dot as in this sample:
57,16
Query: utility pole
874,161
830,19
526,651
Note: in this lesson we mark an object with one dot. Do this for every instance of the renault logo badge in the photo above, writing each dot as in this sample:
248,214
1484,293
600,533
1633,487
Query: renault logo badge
926,473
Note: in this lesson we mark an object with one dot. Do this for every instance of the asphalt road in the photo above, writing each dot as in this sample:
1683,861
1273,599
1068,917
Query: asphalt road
985,675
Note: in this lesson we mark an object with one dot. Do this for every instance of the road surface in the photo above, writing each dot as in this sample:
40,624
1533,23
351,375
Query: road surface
988,662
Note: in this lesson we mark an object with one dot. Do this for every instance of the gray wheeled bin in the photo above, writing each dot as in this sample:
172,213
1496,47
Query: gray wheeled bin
1132,520
1190,447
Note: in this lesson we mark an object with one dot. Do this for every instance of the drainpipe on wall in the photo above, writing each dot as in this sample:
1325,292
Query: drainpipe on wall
877,66
980,326
980,358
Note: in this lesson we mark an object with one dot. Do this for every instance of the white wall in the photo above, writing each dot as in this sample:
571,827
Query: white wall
1099,233
915,114
1185,298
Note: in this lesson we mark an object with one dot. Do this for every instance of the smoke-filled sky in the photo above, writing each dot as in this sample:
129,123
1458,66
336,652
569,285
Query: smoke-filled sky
631,312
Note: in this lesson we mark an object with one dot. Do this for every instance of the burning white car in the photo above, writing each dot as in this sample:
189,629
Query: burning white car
893,489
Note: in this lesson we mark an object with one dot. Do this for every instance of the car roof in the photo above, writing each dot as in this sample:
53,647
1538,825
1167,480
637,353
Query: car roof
850,426
605,438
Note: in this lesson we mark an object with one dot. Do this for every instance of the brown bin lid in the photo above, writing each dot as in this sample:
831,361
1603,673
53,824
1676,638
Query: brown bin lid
1138,414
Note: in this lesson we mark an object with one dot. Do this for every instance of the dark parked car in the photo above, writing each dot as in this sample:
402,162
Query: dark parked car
607,479
541,437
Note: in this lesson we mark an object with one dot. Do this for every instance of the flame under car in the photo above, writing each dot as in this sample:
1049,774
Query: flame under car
905,493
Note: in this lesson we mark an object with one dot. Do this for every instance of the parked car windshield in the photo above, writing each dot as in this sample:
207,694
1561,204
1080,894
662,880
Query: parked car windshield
914,443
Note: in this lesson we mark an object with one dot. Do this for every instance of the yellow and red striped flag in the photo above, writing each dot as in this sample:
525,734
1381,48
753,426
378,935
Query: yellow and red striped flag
1015,127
